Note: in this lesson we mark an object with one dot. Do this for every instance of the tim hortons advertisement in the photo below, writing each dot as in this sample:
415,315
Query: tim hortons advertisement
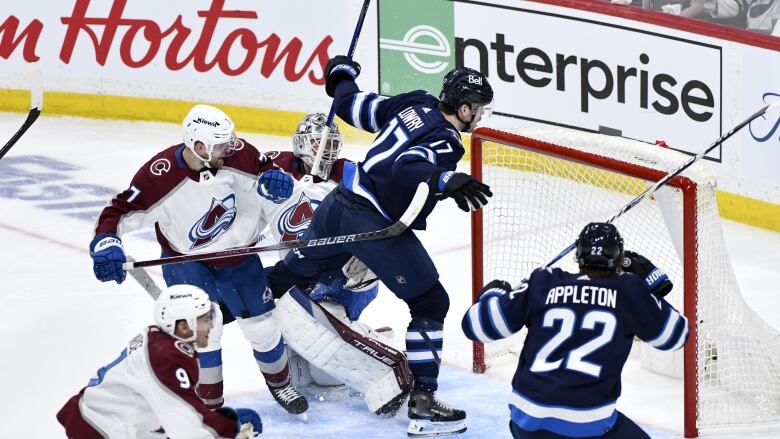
172,46
617,80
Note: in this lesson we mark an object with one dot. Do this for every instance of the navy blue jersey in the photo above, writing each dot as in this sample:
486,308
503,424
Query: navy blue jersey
414,139
580,330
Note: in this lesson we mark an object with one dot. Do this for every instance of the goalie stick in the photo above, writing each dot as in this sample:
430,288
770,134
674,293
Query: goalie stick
415,206
649,191
332,113
36,103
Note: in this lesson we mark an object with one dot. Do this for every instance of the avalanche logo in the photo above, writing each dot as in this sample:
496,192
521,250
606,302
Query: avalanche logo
295,220
219,218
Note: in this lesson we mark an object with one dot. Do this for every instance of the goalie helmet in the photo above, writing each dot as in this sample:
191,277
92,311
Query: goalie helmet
181,302
599,246
464,85
214,129
306,142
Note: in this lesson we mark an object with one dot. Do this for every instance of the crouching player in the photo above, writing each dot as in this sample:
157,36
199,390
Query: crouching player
580,330
149,391
346,351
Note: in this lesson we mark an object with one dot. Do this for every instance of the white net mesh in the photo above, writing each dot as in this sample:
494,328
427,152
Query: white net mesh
541,203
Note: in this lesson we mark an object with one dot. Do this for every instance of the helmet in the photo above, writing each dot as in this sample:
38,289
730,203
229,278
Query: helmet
180,302
213,128
306,141
599,246
464,85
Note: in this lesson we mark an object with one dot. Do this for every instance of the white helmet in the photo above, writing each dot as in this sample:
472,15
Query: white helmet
180,302
306,141
213,128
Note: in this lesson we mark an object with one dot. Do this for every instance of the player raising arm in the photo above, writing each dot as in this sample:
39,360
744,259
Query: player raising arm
419,141
149,390
208,193
580,330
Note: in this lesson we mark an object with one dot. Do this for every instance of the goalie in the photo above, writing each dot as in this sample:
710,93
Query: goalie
343,350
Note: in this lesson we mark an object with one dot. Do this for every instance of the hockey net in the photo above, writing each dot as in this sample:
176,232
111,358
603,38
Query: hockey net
548,184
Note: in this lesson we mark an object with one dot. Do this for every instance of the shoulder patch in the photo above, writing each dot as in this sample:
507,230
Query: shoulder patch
160,166
185,348
272,154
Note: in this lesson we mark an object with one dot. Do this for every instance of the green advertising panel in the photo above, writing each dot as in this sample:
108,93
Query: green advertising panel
416,44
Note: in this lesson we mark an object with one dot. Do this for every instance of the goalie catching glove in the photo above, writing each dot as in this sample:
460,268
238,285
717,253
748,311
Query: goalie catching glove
469,193
655,279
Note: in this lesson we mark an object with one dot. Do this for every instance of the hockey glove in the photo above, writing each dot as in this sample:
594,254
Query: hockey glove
108,255
495,287
655,279
339,68
468,193
243,417
275,185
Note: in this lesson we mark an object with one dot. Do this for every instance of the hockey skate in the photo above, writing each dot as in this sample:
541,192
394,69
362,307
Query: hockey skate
430,417
290,399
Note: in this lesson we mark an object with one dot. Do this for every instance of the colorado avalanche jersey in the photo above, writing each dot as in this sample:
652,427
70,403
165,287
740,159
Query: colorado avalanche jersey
149,391
414,139
193,211
580,331
288,220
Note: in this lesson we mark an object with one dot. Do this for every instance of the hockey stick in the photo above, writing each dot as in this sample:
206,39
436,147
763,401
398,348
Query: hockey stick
332,113
649,191
36,104
142,277
416,205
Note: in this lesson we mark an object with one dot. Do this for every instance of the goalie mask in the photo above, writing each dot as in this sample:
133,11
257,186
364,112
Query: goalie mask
467,86
214,129
181,302
307,140
599,247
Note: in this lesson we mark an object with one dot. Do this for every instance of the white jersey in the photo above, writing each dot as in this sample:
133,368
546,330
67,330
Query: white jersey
147,392
288,220
193,211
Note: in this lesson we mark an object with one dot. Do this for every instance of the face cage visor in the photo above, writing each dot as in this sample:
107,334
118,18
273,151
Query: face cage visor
311,145
225,149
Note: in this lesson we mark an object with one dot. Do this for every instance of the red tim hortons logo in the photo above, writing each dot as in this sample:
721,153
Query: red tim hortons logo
228,40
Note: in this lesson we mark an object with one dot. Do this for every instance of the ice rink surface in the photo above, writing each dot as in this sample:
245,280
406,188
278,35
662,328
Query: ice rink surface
61,324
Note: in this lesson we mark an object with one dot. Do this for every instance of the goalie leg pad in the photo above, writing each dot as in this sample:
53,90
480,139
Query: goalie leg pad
344,352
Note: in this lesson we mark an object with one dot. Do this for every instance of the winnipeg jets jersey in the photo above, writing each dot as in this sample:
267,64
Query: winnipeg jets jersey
580,331
193,211
414,140
288,220
149,391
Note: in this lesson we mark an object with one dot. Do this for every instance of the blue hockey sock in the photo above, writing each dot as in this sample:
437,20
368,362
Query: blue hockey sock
424,340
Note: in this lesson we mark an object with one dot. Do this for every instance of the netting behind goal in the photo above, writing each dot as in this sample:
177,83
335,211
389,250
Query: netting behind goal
549,184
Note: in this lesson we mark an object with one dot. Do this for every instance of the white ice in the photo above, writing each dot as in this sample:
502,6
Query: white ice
61,324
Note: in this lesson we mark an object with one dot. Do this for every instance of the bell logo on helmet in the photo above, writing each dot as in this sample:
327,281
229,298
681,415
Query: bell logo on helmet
474,79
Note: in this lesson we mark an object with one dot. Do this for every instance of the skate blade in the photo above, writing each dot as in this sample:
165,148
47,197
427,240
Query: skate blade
423,428
303,417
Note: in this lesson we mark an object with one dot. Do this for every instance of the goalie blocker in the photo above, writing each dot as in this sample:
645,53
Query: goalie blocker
345,350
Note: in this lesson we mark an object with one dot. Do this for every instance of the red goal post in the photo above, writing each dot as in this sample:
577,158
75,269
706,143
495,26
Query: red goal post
572,173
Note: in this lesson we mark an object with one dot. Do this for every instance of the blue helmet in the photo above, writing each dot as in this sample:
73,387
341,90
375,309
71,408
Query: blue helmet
600,247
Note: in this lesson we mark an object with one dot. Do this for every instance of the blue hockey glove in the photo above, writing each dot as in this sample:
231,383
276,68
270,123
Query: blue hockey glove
495,287
275,185
339,68
108,255
243,416
468,193
655,279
